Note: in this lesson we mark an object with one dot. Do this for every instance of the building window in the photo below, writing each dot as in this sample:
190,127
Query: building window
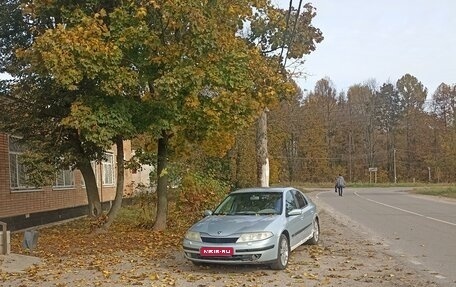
64,179
108,169
18,172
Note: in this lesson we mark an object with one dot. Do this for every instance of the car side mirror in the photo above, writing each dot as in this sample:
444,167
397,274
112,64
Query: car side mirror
207,213
294,212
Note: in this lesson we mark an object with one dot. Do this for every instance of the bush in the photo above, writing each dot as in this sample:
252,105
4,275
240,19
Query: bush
140,209
198,193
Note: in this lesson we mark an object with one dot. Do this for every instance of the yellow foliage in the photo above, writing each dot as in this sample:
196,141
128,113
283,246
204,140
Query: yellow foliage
218,143
141,12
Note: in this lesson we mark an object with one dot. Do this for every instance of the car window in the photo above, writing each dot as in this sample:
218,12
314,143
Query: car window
290,201
227,206
302,202
251,204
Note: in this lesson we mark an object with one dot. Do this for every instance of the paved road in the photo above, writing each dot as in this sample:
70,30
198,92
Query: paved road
420,229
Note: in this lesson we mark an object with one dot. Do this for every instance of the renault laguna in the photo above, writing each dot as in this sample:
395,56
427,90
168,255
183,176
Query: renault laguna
254,226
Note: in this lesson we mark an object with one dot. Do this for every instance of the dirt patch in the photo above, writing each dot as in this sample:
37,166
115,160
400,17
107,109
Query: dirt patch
344,257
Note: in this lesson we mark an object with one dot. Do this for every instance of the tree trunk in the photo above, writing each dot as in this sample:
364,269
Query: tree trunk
262,150
120,184
162,183
90,180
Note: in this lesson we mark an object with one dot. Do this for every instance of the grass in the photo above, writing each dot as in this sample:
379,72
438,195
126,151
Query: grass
442,191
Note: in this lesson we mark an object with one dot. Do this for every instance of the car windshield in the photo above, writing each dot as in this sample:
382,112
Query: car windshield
252,203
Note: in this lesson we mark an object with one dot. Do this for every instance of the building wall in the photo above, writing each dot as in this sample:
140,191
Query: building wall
140,179
4,175
26,202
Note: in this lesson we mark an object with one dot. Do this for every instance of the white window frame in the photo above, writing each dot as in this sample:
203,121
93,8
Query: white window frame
18,173
67,179
108,169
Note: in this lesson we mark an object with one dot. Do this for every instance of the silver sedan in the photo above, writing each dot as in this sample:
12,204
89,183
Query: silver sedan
254,225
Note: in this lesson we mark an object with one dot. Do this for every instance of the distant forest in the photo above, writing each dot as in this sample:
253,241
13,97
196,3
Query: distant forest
396,129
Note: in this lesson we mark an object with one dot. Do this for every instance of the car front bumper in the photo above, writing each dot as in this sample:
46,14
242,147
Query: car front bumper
259,252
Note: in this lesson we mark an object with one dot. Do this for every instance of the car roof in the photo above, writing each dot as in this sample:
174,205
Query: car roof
262,189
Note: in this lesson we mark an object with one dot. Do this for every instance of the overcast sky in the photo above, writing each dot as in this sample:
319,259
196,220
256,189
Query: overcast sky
382,40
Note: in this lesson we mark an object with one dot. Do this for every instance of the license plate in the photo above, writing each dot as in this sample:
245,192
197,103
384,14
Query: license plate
216,251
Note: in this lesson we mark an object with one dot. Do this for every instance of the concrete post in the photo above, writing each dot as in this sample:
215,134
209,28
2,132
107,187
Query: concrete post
4,239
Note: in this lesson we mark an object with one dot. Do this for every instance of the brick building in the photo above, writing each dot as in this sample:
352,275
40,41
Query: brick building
22,206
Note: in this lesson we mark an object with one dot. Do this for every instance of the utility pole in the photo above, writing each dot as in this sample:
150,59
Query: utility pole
262,158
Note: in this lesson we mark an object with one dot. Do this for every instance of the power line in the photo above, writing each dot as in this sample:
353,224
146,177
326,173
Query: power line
286,28
293,32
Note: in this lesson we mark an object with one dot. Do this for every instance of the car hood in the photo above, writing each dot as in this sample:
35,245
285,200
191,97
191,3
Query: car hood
228,225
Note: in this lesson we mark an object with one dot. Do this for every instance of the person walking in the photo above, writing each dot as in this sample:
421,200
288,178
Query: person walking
340,184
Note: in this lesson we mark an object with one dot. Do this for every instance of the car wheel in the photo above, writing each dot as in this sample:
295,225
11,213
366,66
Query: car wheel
316,233
283,254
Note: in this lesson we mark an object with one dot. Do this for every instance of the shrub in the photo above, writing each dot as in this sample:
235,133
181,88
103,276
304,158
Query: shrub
198,193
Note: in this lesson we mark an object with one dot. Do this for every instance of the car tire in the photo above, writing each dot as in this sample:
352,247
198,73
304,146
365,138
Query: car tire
283,254
316,233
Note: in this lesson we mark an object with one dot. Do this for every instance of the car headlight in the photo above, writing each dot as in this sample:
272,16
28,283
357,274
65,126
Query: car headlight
193,236
249,237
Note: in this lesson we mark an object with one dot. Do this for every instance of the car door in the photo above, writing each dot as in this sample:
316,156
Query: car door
307,213
294,222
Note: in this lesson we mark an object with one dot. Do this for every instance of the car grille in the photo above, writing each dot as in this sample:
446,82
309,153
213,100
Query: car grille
206,239
239,258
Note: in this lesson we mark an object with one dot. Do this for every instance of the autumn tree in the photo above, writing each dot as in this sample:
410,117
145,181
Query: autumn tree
444,102
313,144
325,94
390,110
412,95
203,78
444,128
342,147
35,101
179,61
362,116
243,158
284,135
31,116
